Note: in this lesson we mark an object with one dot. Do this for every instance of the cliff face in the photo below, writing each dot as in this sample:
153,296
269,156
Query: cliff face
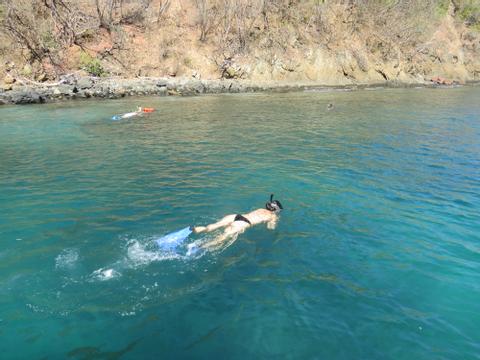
329,42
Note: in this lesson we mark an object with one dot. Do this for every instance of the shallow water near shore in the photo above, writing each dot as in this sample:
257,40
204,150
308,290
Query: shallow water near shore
376,255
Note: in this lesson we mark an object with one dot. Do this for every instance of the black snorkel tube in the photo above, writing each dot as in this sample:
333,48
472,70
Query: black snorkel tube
273,205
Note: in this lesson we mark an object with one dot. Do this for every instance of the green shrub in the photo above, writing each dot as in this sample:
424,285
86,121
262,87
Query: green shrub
91,65
48,40
442,7
470,12
187,61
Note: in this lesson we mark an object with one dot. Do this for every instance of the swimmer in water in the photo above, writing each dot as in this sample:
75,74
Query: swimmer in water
131,114
237,223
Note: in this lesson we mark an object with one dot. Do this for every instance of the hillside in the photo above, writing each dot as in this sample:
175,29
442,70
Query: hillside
328,42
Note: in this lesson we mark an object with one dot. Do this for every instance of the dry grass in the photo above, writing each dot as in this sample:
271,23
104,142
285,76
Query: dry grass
183,37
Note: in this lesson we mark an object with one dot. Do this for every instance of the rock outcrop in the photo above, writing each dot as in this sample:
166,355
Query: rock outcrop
115,88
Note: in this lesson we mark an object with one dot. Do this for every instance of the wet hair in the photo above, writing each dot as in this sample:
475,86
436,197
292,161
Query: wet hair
273,205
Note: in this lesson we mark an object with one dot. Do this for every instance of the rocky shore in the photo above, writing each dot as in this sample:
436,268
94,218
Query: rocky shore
21,92
70,87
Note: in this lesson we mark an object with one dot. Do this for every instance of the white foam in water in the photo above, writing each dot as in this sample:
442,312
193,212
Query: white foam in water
194,250
35,308
105,274
127,313
66,259
138,255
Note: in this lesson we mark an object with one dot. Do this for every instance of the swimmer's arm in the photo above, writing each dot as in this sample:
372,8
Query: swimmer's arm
227,220
272,223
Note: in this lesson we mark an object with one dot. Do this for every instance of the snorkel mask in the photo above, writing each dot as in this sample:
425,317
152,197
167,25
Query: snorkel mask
273,205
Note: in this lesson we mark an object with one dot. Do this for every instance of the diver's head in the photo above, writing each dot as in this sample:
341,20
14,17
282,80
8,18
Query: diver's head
273,205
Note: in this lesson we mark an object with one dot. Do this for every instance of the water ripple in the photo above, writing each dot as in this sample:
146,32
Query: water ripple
377,248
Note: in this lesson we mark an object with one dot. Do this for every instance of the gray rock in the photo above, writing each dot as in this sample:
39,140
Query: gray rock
84,83
68,79
65,89
215,86
162,91
171,85
195,87
120,91
25,96
234,87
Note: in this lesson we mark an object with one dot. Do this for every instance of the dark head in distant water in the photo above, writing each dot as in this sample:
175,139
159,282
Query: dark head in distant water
330,106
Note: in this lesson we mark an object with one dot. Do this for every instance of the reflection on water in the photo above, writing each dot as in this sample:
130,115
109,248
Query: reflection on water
376,253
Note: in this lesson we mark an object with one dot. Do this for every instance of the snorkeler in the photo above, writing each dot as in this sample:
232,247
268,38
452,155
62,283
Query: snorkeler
236,224
140,111
128,115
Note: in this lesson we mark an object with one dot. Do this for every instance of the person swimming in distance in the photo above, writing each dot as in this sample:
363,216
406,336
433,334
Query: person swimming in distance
132,114
330,106
237,223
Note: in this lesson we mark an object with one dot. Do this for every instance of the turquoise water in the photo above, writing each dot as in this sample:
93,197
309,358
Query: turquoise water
376,255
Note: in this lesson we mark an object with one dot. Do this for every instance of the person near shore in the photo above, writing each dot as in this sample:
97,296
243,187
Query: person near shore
140,111
132,114
237,223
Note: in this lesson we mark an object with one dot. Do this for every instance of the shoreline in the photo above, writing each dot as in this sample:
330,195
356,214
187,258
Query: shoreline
71,88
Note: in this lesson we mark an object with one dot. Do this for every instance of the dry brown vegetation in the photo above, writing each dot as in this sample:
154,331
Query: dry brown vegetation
354,40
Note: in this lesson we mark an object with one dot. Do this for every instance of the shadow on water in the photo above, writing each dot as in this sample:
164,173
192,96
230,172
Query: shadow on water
94,353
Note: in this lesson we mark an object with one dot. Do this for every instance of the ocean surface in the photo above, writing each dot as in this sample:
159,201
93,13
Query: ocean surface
376,255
